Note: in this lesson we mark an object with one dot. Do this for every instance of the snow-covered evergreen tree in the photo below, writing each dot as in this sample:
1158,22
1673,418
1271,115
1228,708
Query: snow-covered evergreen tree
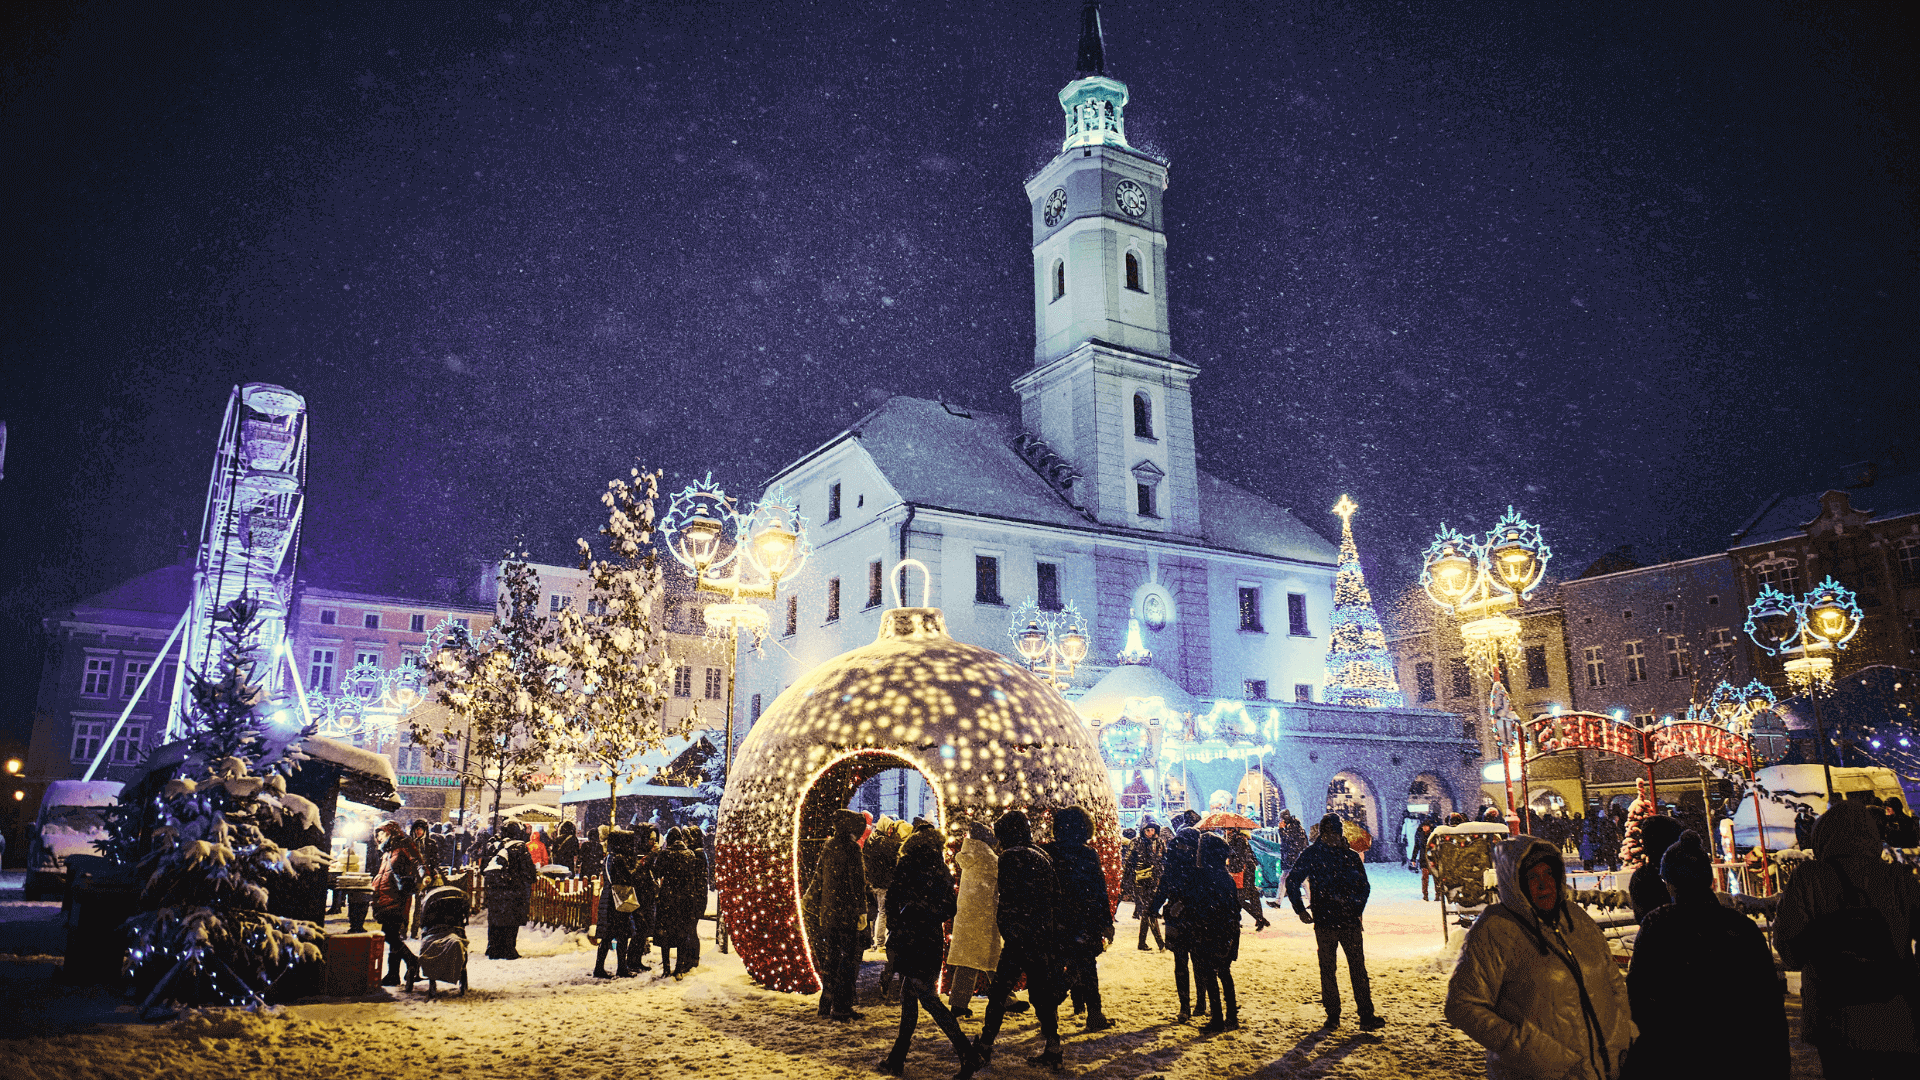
1359,670
204,935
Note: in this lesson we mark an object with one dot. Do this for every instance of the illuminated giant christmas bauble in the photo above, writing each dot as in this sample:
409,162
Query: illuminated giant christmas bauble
987,735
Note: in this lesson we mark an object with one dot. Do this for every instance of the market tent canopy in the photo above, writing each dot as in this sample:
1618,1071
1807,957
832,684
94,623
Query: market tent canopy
532,812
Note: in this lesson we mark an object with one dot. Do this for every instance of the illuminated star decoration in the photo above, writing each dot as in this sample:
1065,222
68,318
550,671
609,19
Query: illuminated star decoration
1359,671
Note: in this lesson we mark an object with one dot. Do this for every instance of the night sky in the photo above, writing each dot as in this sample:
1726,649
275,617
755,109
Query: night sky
1631,268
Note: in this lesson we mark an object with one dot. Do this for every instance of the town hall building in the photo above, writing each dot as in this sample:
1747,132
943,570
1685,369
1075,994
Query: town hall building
1091,498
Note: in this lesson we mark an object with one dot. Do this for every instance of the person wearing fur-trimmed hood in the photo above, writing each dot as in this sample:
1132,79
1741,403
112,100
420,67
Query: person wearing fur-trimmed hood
1536,984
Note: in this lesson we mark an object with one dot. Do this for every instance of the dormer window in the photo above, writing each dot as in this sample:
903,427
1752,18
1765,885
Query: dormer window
1133,272
1059,279
1142,415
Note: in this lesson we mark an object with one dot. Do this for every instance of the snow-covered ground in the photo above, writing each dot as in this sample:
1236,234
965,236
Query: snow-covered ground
542,1016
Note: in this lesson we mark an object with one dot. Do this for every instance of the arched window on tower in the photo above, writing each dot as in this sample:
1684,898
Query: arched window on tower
1133,272
1059,279
1142,415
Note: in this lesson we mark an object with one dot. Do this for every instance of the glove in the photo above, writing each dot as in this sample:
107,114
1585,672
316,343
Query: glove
1305,915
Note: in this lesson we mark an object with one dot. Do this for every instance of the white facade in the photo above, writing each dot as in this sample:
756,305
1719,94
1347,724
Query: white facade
1093,492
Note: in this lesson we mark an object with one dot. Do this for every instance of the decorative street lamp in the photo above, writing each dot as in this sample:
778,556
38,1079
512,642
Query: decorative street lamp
1477,582
1807,632
743,555
1736,708
1051,642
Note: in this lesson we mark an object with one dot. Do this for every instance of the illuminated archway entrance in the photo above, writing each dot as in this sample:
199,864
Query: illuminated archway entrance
831,792
1351,796
1260,798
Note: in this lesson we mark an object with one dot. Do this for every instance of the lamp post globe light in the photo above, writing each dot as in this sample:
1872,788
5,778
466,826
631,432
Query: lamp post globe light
1807,632
1052,643
741,554
1477,582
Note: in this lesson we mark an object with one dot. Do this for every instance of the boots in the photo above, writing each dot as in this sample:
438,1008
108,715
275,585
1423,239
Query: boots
600,961
510,944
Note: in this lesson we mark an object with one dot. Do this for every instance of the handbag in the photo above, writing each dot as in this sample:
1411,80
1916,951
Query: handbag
625,898
1142,877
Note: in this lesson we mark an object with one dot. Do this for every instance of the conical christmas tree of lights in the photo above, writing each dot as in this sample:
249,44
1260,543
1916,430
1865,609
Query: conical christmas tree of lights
1359,671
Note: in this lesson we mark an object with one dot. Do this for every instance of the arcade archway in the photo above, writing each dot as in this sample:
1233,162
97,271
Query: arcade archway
1351,797
1260,798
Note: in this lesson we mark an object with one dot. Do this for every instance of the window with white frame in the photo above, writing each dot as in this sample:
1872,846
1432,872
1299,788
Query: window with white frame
1636,662
1596,667
1720,639
986,579
1303,693
715,685
1047,580
410,757
833,599
1253,689
1909,556
320,673
876,579
1643,720
1250,608
87,736
833,501
130,676
559,602
97,680
364,655
1679,662
371,620
1782,574
417,623
1297,615
128,744
328,616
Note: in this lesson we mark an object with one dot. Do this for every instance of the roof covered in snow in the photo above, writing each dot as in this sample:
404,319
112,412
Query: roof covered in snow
1786,518
156,598
1106,700
944,456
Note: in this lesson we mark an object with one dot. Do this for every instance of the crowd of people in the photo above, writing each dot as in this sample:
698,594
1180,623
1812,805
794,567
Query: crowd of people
1537,983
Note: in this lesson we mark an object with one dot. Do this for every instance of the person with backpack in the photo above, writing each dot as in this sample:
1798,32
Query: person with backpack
1699,967
1029,924
1536,983
509,873
394,888
1847,921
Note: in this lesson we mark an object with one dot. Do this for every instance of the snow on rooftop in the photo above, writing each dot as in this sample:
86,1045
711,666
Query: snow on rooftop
352,757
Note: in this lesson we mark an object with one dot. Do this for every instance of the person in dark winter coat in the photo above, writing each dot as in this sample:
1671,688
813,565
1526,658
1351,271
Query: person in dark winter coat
1085,917
1699,968
919,901
877,857
566,851
509,873
836,902
1029,925
394,888
1216,939
1172,901
1293,840
618,873
1240,861
591,853
1645,890
1144,866
1340,891
1857,987
647,891
1901,830
428,845
678,875
699,844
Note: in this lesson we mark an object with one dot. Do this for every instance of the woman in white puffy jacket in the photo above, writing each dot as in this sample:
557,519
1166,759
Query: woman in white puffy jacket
974,952
1537,985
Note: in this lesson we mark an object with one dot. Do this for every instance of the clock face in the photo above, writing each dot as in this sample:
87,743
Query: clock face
1131,197
1056,207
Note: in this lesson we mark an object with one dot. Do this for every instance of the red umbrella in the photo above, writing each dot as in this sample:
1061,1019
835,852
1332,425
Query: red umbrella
1226,819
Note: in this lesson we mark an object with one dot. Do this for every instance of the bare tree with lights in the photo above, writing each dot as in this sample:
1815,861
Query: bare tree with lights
619,675
505,686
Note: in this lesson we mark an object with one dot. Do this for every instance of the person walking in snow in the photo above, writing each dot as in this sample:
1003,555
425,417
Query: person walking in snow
1246,870
1029,925
681,898
1216,938
1085,917
919,900
1143,868
1699,967
1179,899
877,857
617,884
836,901
509,874
974,951
1340,891
1536,983
393,890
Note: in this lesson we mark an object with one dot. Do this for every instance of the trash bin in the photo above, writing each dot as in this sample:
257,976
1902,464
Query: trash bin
100,899
353,963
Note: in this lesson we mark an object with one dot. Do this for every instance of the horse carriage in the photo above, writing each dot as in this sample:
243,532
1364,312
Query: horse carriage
1460,860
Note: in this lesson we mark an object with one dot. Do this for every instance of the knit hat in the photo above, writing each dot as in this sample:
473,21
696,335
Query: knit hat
1686,865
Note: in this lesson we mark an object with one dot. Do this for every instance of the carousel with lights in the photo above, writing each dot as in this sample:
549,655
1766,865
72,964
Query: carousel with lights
988,736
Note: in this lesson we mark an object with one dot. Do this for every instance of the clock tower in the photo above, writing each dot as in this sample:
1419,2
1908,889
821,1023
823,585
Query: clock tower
1107,392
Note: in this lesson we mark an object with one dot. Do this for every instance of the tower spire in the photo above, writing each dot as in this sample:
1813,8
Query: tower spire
1093,50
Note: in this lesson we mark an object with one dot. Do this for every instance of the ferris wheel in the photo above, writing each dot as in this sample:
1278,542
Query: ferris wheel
249,536
250,532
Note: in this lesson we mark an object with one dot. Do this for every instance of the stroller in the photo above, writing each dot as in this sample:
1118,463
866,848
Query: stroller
443,947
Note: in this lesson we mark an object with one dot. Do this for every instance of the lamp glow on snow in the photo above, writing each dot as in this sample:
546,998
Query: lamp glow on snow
986,734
